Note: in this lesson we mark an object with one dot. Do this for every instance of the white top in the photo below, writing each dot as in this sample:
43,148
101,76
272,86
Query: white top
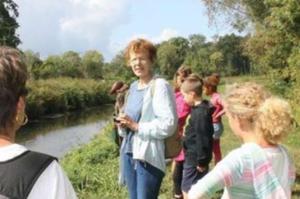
249,172
52,183
158,121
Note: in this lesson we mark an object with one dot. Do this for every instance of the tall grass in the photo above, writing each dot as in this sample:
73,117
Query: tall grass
64,94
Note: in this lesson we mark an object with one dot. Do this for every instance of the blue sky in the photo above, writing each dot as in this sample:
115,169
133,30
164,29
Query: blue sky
55,26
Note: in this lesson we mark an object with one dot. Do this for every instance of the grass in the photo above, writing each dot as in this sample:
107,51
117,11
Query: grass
93,168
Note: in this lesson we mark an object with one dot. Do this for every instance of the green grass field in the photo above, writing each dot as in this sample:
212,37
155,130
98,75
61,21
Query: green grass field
93,169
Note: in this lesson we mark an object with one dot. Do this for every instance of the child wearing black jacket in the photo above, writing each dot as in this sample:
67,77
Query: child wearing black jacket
198,136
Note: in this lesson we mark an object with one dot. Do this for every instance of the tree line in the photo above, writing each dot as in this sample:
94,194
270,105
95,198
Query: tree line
224,55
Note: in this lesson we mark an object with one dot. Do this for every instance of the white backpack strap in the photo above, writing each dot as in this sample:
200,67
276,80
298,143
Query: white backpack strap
152,87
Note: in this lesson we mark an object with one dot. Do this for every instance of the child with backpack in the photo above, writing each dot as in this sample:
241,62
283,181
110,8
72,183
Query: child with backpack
261,168
198,134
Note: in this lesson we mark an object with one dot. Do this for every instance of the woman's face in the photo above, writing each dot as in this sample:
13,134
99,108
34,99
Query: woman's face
141,64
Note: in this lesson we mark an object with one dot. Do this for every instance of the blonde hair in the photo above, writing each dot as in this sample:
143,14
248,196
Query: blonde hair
192,83
269,116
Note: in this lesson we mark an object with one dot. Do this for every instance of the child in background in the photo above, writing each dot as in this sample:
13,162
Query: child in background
261,168
197,140
119,89
210,89
183,110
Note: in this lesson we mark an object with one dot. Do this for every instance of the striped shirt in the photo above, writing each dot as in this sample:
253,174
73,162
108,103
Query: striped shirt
249,172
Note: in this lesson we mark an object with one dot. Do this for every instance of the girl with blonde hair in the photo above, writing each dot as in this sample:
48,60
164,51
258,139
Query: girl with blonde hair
261,168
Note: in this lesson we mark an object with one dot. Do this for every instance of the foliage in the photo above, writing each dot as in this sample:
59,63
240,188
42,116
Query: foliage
64,94
118,69
8,24
92,62
273,47
235,62
71,64
93,169
198,59
33,62
171,54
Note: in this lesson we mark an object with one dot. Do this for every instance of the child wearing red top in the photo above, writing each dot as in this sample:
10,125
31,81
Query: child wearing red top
210,89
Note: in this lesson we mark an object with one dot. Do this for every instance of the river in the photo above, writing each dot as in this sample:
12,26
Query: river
58,134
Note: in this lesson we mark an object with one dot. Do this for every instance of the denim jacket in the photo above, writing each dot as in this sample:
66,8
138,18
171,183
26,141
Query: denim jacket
158,121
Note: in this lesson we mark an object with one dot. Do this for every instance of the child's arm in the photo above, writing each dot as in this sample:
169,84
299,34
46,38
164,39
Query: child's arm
219,111
227,172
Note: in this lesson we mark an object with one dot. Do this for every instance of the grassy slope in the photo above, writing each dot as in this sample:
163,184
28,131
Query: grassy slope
93,168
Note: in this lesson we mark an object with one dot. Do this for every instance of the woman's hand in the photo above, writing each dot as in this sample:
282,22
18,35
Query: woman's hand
126,121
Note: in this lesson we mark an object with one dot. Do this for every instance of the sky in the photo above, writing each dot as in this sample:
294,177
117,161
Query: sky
51,27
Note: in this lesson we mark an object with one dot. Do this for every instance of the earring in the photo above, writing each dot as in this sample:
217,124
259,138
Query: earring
25,120
21,119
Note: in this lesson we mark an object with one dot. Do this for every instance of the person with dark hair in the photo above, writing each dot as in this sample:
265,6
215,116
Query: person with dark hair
149,118
119,89
210,88
183,110
24,173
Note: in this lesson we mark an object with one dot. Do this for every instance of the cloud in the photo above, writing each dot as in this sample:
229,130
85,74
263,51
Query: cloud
54,26
164,35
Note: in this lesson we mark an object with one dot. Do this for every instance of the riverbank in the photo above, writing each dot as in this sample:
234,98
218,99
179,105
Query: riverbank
93,168
60,95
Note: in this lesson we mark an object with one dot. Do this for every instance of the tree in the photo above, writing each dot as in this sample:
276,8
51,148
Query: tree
92,62
8,23
33,63
196,41
171,54
274,44
168,59
71,64
235,62
198,59
118,66
50,68
217,60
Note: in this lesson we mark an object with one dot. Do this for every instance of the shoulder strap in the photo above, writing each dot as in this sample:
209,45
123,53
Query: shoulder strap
152,87
19,174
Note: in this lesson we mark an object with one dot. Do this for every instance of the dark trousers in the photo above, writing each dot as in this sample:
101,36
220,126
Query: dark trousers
177,177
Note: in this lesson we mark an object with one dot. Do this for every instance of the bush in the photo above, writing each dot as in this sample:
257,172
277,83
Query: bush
65,94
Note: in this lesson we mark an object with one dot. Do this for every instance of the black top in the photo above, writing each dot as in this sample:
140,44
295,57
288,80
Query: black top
198,139
18,175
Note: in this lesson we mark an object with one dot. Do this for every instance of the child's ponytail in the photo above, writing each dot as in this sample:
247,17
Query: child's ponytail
274,119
